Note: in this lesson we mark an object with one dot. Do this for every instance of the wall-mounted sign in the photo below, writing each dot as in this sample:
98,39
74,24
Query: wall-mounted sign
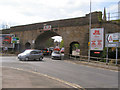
97,39
47,27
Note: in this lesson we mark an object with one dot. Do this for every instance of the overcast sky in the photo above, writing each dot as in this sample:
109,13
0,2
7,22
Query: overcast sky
21,12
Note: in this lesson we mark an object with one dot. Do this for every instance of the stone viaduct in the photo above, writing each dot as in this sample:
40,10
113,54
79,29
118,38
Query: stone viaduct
74,30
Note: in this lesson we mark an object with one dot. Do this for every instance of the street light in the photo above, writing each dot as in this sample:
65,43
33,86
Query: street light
89,33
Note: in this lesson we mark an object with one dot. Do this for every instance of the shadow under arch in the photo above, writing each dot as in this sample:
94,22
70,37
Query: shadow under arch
27,45
74,46
42,38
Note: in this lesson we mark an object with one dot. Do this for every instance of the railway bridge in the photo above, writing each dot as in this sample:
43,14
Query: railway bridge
74,30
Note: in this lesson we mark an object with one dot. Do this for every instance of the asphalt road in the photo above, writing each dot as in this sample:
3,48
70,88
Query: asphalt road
84,76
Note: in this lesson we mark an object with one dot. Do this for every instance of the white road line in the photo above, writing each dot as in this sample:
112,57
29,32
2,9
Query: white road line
45,75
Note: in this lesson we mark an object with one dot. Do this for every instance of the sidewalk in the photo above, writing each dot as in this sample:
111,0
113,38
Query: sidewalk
95,64
12,78
2,54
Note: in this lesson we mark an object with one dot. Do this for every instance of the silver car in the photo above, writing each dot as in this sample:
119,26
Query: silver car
31,55
57,55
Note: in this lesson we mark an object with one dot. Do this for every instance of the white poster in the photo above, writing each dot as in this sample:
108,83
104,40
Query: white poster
97,39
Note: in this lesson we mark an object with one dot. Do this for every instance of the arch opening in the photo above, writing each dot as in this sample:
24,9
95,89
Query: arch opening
74,48
45,40
27,45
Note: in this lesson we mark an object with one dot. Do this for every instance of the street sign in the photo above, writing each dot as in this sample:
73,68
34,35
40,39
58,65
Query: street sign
15,40
112,40
97,39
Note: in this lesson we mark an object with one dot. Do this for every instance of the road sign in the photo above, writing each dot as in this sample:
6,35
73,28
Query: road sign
15,40
112,40
114,37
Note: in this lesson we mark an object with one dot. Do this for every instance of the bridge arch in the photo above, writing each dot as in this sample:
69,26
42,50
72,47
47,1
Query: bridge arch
42,38
74,48
27,45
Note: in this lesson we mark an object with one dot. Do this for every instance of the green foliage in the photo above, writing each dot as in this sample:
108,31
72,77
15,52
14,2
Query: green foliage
116,20
75,46
111,53
49,42
100,17
62,44
104,53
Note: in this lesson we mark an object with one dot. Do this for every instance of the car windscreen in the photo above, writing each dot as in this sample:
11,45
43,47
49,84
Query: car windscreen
27,51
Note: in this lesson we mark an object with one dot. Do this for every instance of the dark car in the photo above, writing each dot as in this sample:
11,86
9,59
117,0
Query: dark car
31,55
45,51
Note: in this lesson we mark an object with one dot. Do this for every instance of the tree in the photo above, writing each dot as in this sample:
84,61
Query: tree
49,42
62,44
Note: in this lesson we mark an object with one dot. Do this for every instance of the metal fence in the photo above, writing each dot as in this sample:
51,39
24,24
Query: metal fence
107,61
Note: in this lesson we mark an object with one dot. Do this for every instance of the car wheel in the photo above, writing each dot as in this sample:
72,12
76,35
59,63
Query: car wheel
40,58
20,59
26,59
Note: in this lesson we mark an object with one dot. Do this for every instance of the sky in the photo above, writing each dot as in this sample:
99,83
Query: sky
22,12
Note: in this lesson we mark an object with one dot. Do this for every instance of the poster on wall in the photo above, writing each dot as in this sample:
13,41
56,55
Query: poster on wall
97,39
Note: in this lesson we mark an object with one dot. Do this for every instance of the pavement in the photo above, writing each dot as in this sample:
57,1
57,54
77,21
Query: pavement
13,78
96,64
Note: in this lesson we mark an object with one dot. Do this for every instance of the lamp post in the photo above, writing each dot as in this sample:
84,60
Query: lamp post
89,33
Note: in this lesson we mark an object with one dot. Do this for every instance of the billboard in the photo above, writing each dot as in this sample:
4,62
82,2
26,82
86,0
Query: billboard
6,40
97,39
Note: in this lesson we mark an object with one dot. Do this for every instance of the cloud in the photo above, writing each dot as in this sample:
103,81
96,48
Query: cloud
18,12
57,38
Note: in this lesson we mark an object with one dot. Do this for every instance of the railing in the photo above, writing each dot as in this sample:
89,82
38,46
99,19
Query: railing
113,16
107,61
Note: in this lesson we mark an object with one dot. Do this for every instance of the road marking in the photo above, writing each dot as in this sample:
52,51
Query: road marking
45,75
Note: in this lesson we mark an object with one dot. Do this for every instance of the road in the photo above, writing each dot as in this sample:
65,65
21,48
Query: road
81,75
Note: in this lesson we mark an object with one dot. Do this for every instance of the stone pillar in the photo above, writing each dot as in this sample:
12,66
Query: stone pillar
66,53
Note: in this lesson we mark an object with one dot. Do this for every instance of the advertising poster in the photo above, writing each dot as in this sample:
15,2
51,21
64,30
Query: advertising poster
5,40
97,39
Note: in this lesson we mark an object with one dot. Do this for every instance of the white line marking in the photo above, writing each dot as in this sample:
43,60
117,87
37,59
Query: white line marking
57,79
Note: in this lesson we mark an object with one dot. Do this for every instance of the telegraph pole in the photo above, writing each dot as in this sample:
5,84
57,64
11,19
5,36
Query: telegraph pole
89,33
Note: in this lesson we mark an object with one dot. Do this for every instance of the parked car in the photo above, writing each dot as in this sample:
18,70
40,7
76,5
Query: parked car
51,50
45,51
31,55
57,55
62,50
